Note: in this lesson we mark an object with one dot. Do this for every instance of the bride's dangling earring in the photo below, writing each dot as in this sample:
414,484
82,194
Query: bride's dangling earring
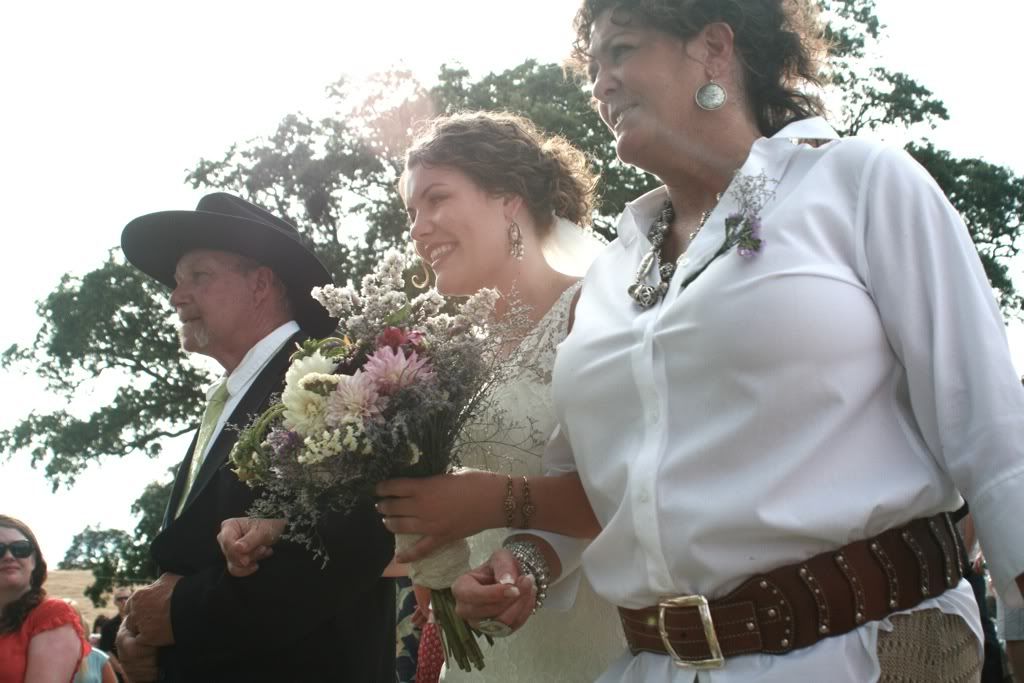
515,241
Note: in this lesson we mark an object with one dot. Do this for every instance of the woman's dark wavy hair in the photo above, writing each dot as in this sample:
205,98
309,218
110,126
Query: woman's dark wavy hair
780,45
505,153
15,612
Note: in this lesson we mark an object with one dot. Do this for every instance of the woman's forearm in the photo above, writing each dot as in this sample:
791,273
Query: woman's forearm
560,506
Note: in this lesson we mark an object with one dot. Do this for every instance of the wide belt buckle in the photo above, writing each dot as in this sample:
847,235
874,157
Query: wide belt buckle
716,660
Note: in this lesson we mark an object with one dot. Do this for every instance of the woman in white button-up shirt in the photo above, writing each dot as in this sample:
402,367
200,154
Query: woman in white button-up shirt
840,370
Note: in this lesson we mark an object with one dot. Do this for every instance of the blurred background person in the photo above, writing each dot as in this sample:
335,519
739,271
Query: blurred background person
97,629
41,638
96,667
108,633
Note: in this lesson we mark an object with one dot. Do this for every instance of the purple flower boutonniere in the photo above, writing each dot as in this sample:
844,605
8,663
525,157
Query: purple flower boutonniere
743,226
745,232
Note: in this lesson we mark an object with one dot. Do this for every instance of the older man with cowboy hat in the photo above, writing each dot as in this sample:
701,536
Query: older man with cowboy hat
241,279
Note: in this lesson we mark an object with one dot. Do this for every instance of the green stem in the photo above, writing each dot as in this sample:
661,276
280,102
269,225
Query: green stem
459,640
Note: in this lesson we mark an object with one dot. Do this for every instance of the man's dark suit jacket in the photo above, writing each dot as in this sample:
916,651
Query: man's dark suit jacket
293,620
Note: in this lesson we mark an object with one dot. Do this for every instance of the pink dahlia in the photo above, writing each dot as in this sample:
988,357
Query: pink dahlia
391,370
354,400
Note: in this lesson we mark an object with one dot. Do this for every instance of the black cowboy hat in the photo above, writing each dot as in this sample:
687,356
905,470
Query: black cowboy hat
155,242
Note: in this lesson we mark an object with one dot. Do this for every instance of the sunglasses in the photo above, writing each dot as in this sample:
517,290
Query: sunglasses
19,549
121,599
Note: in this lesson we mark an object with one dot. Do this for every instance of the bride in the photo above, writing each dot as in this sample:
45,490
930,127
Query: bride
496,204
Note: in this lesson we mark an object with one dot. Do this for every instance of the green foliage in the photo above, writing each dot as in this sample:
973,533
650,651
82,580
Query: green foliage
93,546
334,178
989,198
115,557
872,95
991,201
111,323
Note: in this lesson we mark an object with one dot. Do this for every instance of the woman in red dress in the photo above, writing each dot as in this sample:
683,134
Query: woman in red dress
41,638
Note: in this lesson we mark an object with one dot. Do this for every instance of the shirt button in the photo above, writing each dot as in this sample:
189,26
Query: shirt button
652,416
684,262
645,497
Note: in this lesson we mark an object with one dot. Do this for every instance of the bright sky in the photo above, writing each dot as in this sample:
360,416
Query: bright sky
107,104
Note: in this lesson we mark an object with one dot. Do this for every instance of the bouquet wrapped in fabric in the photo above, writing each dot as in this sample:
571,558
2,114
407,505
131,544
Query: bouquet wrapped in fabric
391,395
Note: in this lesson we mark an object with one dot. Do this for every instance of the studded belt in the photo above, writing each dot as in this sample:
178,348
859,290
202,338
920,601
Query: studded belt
795,606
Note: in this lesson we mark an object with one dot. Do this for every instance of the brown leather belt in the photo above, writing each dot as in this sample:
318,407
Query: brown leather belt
795,606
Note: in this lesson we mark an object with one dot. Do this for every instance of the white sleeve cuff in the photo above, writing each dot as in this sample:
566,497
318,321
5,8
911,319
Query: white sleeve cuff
997,513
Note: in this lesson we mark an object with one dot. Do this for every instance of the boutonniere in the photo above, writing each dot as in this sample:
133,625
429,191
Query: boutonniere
743,226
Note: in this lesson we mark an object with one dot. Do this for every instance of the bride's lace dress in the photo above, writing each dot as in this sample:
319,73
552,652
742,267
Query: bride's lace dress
555,646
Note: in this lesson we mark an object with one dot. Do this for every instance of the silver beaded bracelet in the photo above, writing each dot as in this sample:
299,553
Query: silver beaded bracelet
531,561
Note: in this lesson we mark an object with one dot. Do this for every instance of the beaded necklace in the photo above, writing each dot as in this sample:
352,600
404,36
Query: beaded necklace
647,295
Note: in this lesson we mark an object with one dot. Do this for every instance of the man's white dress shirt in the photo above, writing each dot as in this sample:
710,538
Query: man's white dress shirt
242,377
850,377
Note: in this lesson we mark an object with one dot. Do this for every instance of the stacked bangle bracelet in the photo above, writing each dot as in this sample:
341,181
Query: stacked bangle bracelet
531,561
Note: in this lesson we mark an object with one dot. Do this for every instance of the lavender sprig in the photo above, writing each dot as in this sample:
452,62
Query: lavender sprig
743,226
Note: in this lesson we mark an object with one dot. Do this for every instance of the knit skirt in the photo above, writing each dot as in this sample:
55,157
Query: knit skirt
929,646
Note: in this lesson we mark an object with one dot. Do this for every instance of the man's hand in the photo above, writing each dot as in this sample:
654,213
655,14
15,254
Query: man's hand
149,611
246,540
495,590
137,660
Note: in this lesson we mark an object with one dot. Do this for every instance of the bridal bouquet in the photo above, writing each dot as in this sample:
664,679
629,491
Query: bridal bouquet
391,395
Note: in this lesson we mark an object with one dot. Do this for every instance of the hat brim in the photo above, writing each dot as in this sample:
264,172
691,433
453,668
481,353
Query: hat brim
154,244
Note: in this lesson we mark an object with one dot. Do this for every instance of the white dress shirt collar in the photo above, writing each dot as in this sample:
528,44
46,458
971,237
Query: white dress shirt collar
255,360
640,212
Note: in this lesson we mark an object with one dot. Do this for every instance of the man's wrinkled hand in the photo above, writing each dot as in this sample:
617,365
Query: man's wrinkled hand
150,611
247,540
137,660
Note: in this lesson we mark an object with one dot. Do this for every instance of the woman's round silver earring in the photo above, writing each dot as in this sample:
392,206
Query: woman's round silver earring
515,241
711,96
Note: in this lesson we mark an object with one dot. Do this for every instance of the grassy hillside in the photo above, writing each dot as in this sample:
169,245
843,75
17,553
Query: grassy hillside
71,583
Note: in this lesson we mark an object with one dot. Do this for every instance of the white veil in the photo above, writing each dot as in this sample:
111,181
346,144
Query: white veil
570,249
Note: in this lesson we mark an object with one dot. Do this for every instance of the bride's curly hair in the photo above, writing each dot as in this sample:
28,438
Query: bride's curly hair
15,612
780,44
504,153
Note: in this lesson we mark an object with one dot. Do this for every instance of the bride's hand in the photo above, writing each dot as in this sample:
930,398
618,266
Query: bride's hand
246,540
442,509
497,591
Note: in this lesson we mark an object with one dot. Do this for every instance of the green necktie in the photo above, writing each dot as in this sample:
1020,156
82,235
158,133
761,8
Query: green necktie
214,408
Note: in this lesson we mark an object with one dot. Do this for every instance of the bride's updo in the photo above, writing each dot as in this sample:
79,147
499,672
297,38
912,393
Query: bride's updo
506,154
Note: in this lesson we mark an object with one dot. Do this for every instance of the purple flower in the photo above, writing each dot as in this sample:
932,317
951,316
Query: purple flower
755,225
744,230
283,441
